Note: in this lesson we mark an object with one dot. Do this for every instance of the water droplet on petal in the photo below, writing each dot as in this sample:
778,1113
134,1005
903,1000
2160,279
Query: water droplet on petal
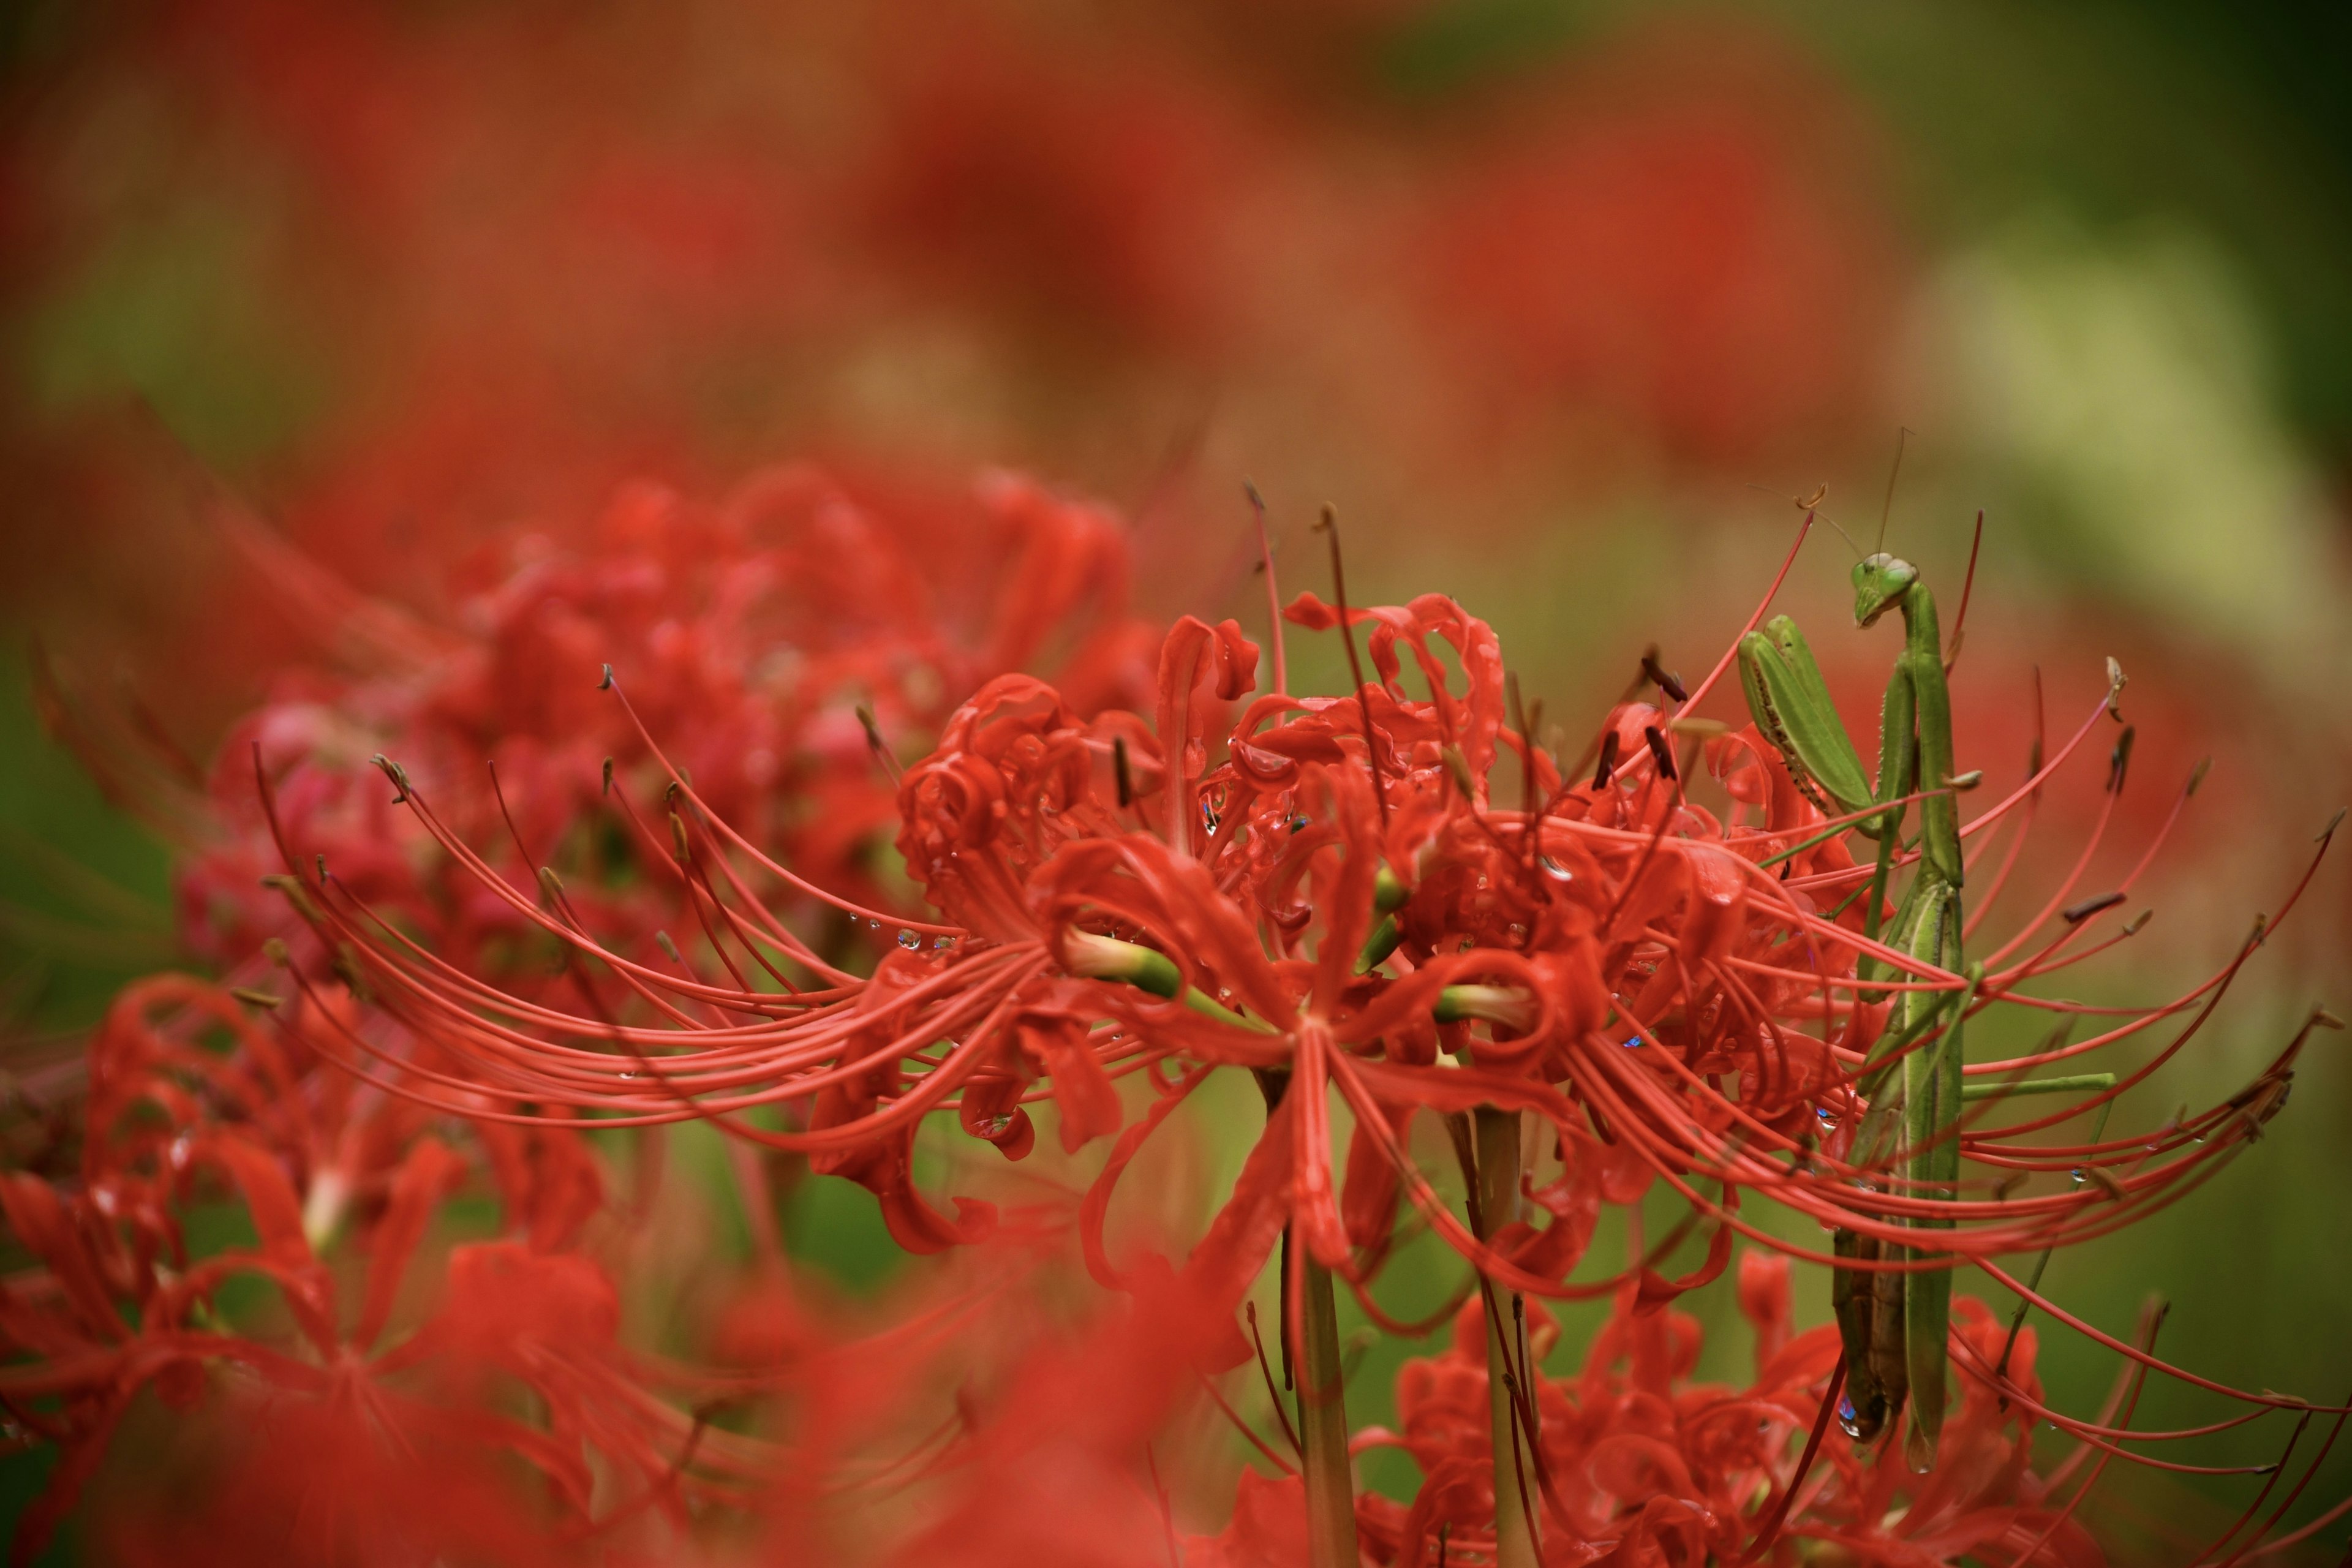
1848,1418
909,938
942,943
1554,869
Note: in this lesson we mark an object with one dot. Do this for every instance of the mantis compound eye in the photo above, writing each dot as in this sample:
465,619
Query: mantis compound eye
1880,580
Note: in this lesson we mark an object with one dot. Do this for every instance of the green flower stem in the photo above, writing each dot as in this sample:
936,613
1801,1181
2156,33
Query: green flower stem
1498,1141
1324,1463
1323,1428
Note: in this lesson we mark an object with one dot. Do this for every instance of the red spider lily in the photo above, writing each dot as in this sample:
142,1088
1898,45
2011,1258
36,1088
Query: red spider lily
1017,828
508,1423
336,1406
759,630
1674,995
160,1090
1636,1464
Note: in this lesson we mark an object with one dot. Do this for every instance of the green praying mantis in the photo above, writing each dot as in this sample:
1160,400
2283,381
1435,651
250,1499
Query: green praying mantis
1894,1325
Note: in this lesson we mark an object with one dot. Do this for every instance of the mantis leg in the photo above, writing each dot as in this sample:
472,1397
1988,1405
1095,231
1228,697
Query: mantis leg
1939,814
1853,1297
1790,704
1898,768
1932,1117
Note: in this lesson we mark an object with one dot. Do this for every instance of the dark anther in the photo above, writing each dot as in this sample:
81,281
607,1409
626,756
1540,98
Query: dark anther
608,776
1608,765
1119,772
2120,762
2076,914
1659,749
606,684
1665,680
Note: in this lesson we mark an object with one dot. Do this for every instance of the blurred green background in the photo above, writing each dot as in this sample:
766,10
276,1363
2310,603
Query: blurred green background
2094,256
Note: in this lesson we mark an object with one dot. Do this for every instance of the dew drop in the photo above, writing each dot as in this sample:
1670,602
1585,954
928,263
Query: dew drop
1634,1043
909,938
626,1077
1828,1119
997,1124
942,943
1847,1418
873,925
1554,869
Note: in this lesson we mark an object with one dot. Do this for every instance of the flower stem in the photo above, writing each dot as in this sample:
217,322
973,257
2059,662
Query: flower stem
1323,1427
1497,1136
1322,1389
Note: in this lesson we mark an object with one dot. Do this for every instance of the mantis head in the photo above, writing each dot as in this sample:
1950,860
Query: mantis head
1880,583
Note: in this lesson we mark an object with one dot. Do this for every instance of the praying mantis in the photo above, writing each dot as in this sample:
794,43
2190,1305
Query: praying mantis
1892,1325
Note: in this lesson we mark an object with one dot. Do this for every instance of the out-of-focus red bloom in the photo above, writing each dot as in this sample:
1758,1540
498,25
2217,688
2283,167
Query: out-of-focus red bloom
119,1304
504,1418
1638,1464
751,634
1679,243
475,265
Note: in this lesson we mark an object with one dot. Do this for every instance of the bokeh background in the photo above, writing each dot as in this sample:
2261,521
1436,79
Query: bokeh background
1560,304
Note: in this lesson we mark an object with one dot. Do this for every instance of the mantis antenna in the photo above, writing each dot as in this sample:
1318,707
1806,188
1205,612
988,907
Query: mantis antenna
1902,435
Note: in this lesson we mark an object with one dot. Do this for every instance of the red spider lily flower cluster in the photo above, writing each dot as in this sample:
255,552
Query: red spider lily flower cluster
1087,865
194,1104
1335,894
396,1398
776,639
1653,983
1636,1464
